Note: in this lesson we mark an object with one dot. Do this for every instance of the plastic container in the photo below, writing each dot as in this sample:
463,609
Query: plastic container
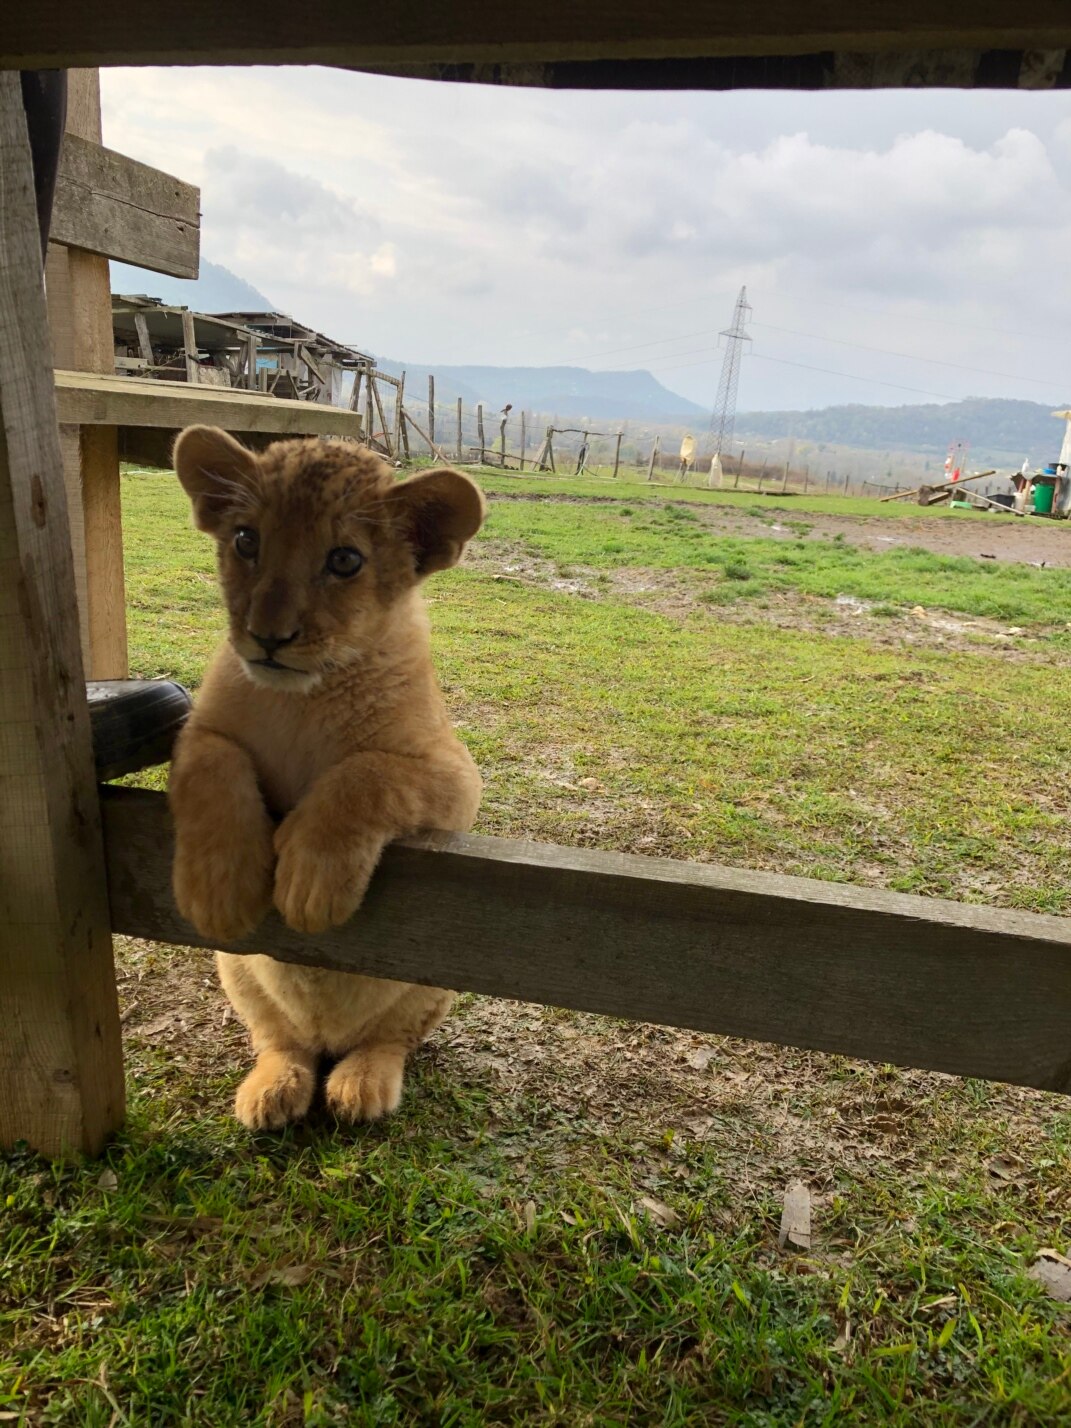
1044,492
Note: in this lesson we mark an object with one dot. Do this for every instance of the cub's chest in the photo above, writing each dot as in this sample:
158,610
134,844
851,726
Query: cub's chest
289,755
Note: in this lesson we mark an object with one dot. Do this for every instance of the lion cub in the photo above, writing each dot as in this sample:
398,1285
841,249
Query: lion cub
318,736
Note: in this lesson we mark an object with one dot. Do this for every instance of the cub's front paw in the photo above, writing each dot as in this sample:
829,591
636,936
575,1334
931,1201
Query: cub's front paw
320,875
224,888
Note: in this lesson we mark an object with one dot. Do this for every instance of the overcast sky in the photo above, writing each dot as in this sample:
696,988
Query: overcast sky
453,223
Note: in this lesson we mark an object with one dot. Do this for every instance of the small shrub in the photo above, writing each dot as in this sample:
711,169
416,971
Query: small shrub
736,570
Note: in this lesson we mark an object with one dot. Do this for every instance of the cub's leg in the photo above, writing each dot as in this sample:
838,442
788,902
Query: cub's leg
368,1082
224,858
280,1087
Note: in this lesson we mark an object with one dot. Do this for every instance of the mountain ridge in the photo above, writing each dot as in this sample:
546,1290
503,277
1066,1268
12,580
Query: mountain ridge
569,391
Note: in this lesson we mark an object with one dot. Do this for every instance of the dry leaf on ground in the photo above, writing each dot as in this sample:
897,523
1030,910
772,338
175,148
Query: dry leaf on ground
1052,1271
796,1217
658,1211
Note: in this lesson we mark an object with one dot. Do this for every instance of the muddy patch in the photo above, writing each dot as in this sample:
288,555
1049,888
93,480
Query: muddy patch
688,594
1020,540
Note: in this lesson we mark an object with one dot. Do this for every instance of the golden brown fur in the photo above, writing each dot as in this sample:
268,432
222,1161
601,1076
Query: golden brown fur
319,735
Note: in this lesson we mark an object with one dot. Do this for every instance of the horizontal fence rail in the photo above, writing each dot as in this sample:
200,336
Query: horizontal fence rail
916,981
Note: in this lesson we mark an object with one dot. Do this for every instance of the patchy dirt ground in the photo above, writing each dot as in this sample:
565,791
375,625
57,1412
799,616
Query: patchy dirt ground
1025,540
679,594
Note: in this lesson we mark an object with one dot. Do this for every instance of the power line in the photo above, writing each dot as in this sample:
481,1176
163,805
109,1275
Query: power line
908,356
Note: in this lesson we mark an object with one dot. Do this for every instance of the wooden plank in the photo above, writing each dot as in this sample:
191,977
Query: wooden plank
436,451
102,517
80,316
189,346
141,327
93,399
431,410
484,34
114,206
61,1071
916,981
399,418
387,444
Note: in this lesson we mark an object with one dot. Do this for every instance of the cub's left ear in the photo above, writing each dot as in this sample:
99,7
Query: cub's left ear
441,510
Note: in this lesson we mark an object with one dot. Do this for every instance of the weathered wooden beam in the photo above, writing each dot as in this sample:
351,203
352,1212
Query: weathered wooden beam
500,41
80,317
93,399
61,1069
115,207
916,981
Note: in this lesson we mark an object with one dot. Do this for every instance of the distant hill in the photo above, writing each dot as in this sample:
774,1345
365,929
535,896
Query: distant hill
994,426
569,391
216,290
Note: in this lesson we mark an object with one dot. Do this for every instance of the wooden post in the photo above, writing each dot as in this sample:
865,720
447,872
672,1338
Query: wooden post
739,469
141,327
524,436
61,1068
189,344
502,440
80,318
431,409
617,454
399,418
458,454
806,478
762,473
654,457
252,348
479,430
369,409
388,445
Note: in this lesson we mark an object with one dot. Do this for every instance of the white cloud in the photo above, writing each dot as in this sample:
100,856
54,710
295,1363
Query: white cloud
455,223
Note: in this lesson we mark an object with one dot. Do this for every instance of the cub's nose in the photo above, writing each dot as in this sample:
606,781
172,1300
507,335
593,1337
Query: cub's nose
270,643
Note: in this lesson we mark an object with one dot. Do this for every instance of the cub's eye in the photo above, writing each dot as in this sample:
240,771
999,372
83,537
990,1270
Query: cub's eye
246,542
344,561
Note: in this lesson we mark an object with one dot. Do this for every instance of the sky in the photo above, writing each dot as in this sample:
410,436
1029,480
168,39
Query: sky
897,246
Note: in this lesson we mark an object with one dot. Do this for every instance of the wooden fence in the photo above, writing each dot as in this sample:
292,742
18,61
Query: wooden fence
961,989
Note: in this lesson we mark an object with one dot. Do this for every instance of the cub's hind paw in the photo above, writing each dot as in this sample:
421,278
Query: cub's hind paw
366,1084
277,1091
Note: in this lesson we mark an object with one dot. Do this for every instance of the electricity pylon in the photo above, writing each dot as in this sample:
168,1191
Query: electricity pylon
723,417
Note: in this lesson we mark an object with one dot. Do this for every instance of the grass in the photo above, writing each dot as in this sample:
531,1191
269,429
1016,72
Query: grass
572,1220
673,537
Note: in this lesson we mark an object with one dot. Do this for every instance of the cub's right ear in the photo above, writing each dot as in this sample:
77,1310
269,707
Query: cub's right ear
217,473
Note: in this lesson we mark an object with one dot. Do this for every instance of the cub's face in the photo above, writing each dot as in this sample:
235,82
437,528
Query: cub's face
316,545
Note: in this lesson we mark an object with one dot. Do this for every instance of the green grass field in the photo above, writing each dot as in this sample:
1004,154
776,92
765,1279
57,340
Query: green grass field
573,1220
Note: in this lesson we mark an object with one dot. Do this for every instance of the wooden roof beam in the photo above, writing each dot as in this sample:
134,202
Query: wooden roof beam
521,42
